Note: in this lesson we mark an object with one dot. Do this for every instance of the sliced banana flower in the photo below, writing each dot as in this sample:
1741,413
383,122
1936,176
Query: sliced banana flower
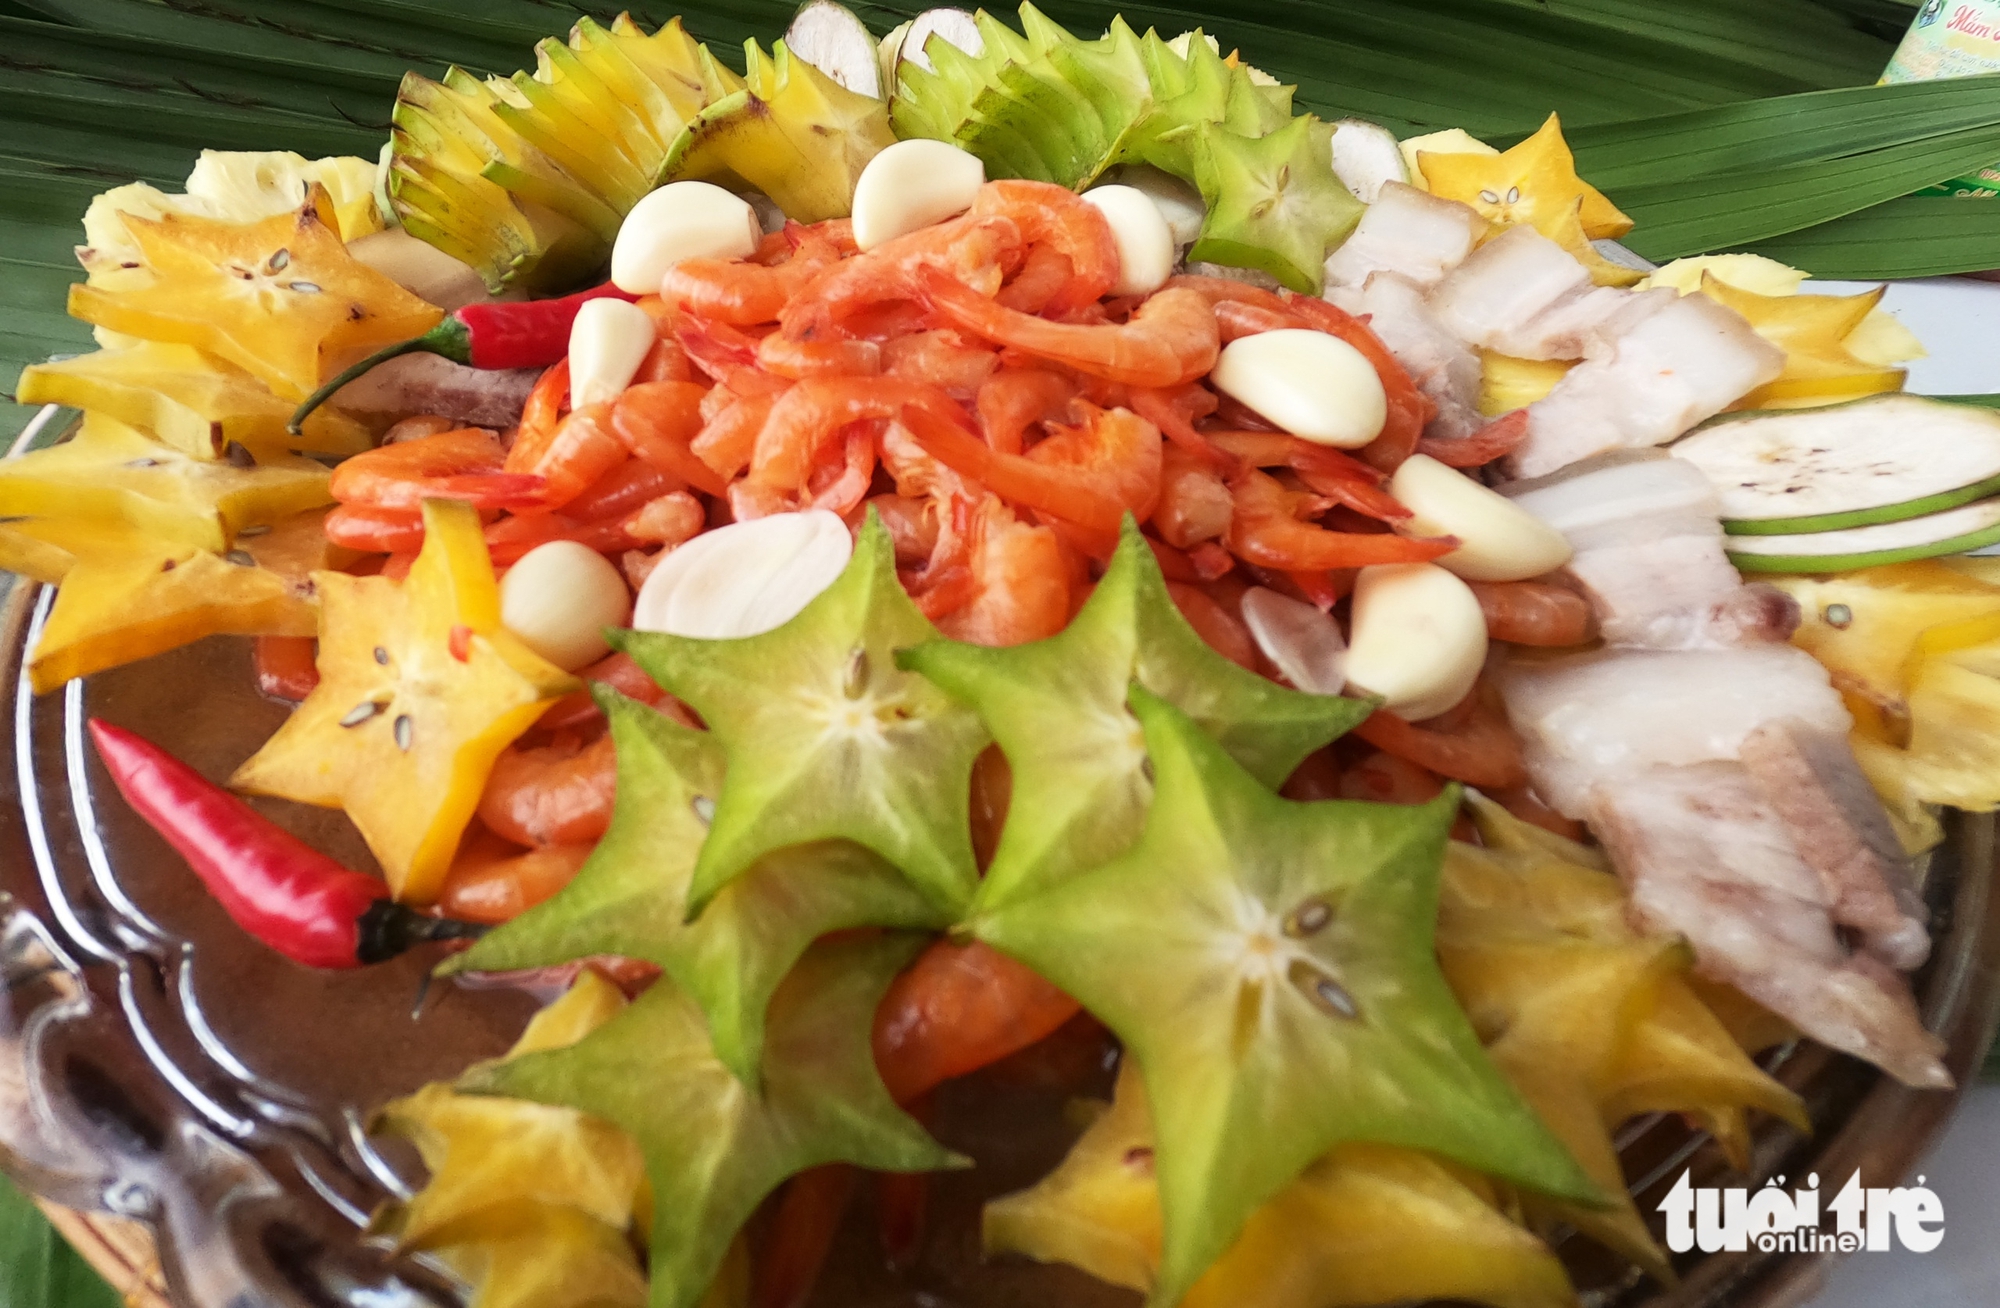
1302,643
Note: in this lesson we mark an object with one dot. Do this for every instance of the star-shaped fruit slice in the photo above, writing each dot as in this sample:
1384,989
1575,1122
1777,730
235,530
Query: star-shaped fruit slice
1057,707
280,298
1367,1224
109,472
529,1203
715,1148
1275,203
1812,330
1590,1020
1270,965
630,896
420,689
188,400
126,597
827,739
1534,184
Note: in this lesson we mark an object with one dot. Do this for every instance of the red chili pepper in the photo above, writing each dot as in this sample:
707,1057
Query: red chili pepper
281,890
519,334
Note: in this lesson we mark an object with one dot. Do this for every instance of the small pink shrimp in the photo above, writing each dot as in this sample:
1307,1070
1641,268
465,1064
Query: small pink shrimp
582,447
1172,339
1174,411
1535,613
813,412
1020,580
728,439
375,531
1266,530
745,292
469,464
1220,630
1195,504
840,488
658,422
672,519
1090,475
782,356
966,251
621,491
1057,217
551,795
942,357
1015,399
1046,275
493,882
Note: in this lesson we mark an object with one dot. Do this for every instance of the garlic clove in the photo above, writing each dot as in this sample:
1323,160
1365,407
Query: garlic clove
1315,386
558,598
1302,643
1418,638
608,341
1501,540
913,184
681,220
746,578
1145,241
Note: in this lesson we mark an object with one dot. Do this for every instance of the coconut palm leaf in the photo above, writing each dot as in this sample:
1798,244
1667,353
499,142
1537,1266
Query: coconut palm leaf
93,92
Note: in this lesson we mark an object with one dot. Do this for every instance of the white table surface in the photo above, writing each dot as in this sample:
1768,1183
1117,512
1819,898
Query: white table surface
1958,320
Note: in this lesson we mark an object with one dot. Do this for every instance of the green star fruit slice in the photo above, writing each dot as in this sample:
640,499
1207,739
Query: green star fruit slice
827,739
1274,201
1270,965
713,1147
1058,709
630,896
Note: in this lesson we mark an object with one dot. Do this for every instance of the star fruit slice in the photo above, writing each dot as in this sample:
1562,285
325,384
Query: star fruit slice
1367,1224
1275,203
1534,184
420,689
1058,710
630,896
1812,330
714,1148
109,472
827,739
527,1202
188,400
280,298
125,597
1270,965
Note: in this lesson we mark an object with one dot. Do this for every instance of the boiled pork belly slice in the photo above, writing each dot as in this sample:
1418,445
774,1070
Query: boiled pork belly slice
1524,295
1408,232
1649,554
1598,716
1444,367
1810,780
1703,854
431,383
1680,365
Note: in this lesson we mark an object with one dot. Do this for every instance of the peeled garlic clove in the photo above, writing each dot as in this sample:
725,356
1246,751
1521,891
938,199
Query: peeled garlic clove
746,578
1145,241
608,341
1501,540
559,598
681,220
913,184
1419,638
1315,386
1301,642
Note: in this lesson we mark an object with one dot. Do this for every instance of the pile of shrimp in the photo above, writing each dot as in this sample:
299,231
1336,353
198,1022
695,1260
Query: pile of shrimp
974,384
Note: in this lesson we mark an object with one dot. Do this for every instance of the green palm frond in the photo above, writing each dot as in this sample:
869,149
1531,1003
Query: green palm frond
1673,107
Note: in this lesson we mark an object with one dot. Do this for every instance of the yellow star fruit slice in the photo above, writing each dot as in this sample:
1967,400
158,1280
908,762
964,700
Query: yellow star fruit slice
109,472
124,598
529,1203
189,400
420,689
280,298
1367,1224
1812,330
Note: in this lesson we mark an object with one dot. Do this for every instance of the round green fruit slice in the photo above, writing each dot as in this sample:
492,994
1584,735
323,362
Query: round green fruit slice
1887,458
1955,531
